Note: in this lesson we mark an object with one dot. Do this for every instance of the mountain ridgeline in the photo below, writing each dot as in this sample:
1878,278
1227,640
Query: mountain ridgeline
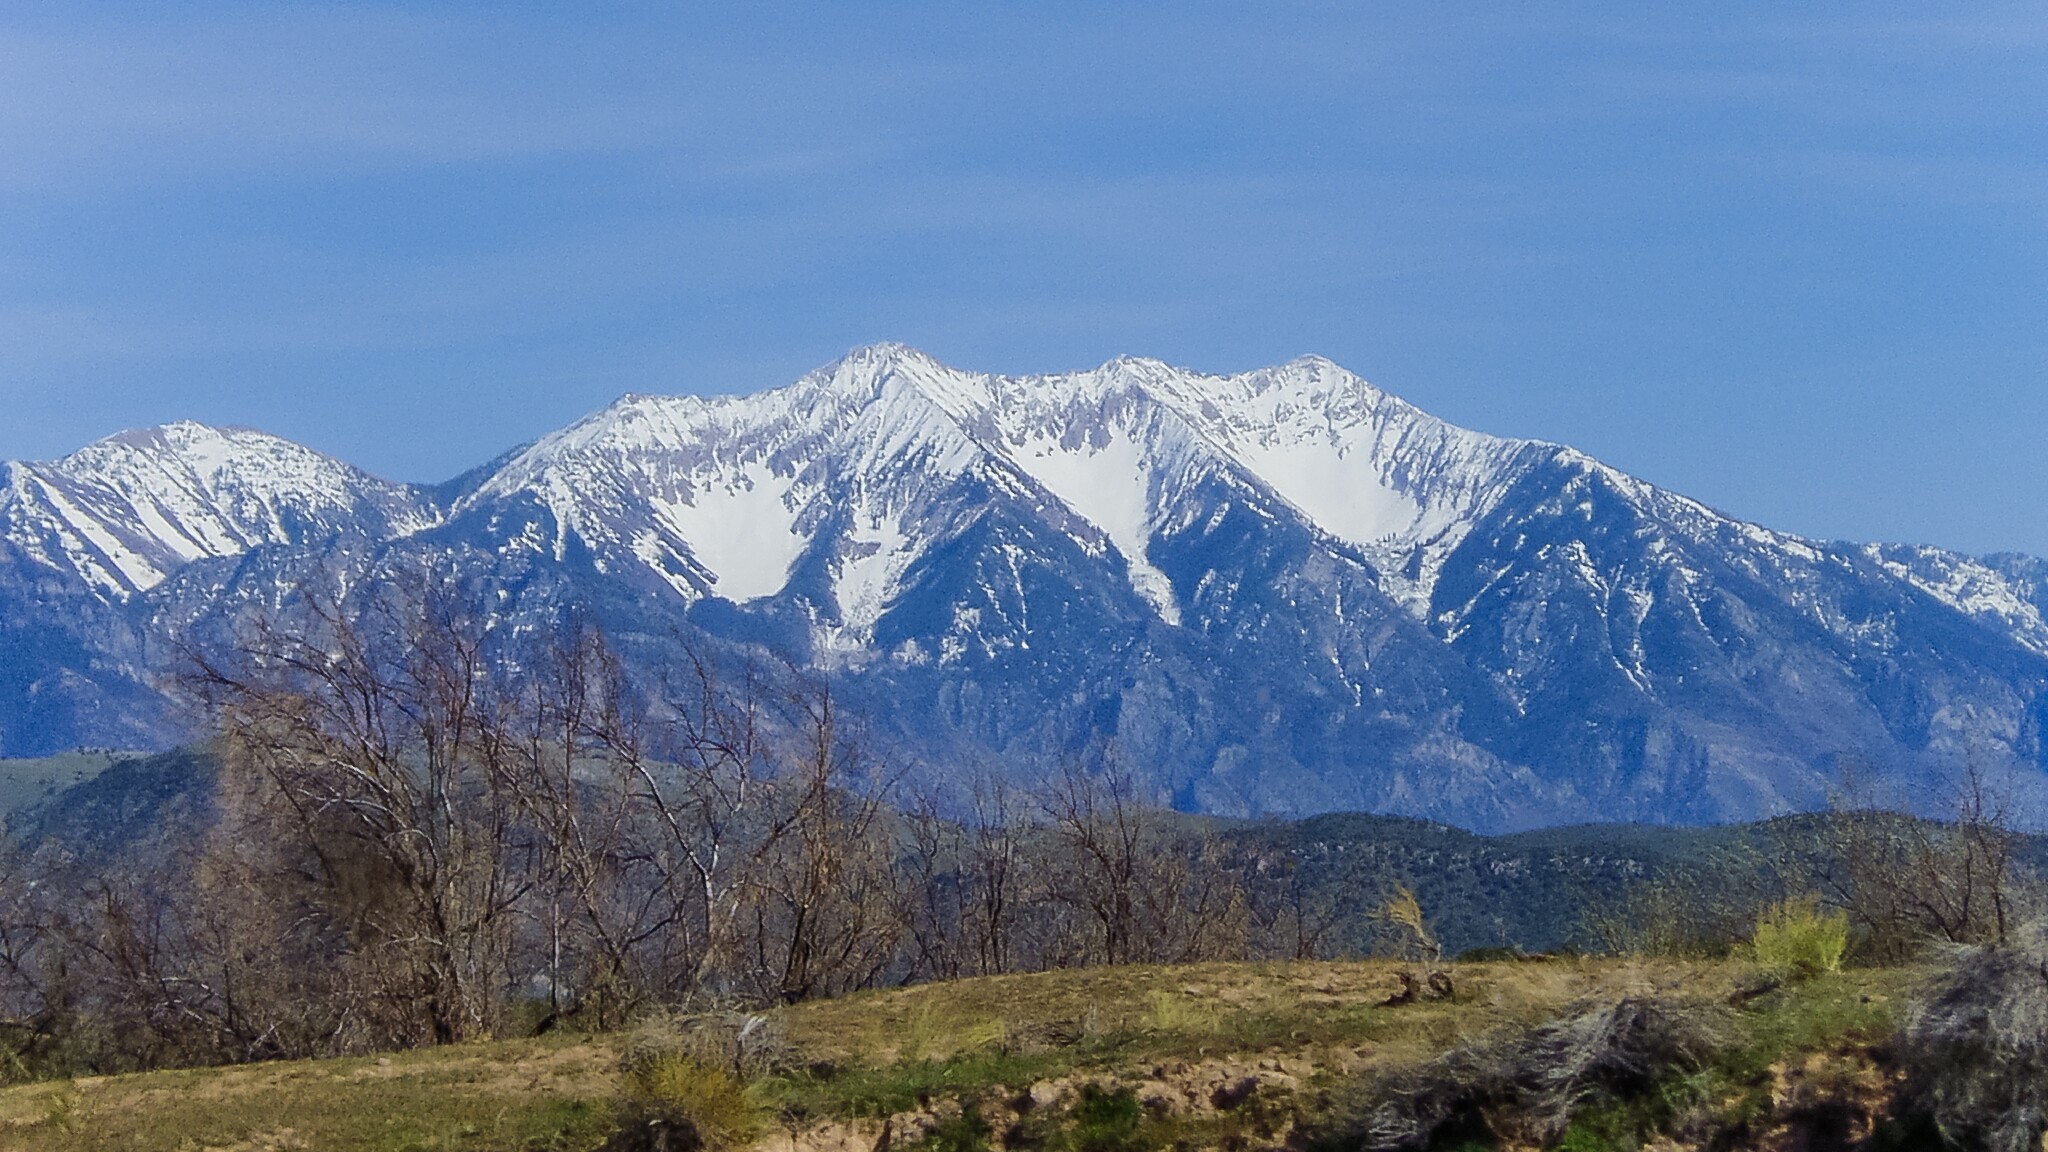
1278,592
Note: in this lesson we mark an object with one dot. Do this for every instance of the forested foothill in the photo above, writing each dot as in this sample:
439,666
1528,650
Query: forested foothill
408,833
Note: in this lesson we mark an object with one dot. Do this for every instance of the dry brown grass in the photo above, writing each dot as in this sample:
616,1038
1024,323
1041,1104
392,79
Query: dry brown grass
476,1096
1331,1002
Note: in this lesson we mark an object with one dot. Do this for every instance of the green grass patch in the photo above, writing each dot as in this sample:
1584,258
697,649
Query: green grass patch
878,1090
1819,1014
1107,1120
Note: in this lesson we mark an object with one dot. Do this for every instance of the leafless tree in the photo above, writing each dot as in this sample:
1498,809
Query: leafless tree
35,992
825,907
705,799
992,874
1291,918
1100,823
962,881
379,735
574,770
1907,880
1154,888
934,892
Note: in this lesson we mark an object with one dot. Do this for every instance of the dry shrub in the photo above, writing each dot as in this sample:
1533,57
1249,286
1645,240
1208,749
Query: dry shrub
1797,937
747,1045
1179,1012
934,1031
1401,914
1526,1085
1976,1049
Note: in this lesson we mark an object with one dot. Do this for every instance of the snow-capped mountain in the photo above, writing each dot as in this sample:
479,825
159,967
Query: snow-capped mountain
722,497
126,512
1282,590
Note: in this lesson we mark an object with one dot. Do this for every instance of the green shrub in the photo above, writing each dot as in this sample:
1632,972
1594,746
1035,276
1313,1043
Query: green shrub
672,1101
967,1132
1108,1121
1798,937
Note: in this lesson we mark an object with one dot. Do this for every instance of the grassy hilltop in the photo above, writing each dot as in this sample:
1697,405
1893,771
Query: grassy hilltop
531,955
1097,1060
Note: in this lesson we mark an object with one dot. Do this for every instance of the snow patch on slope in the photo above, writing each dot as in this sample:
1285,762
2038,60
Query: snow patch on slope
1340,493
741,528
1110,484
879,552
1969,586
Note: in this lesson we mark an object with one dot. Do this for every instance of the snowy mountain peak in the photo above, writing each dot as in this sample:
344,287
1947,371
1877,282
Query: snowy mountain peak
881,353
1115,443
869,373
126,511
720,496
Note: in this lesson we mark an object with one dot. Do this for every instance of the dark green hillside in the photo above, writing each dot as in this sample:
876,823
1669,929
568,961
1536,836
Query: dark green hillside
1533,891
133,811
27,782
1541,891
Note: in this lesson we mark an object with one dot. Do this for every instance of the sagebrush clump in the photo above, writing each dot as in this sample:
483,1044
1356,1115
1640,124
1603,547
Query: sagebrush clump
1976,1049
747,1044
1526,1085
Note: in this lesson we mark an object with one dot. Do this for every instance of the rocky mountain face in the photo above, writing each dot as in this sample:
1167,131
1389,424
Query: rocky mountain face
1283,591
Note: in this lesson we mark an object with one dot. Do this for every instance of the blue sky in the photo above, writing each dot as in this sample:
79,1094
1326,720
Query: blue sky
1790,259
